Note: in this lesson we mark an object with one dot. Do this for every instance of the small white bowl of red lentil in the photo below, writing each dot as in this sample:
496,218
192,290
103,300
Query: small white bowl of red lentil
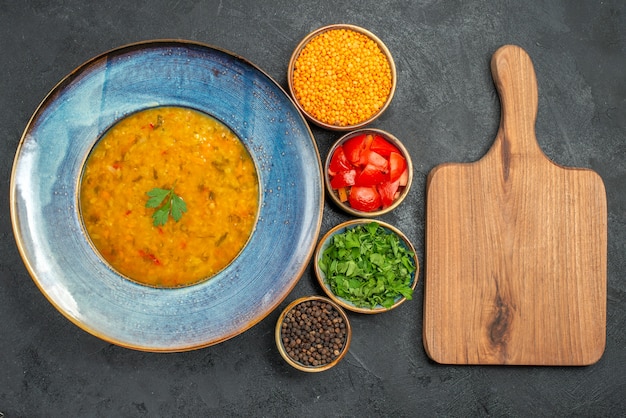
342,77
368,172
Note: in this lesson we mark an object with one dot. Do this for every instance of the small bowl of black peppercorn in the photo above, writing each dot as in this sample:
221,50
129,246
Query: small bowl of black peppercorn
313,334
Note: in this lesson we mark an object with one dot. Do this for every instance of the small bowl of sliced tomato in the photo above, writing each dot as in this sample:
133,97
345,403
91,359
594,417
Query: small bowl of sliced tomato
368,172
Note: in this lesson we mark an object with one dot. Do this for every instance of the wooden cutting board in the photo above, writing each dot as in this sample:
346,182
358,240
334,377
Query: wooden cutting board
516,246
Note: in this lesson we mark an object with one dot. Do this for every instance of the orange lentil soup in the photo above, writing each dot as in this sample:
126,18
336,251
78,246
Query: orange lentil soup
178,149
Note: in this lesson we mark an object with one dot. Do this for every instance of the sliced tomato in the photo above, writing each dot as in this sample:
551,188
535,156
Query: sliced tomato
387,191
371,175
353,147
397,165
338,162
343,179
382,146
365,150
375,159
404,177
365,199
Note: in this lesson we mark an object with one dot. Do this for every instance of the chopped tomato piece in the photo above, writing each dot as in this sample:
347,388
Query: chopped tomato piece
387,191
371,175
365,199
382,146
376,160
365,150
343,179
338,162
397,165
404,177
353,147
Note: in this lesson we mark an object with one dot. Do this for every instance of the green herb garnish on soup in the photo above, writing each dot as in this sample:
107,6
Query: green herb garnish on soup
368,266
166,203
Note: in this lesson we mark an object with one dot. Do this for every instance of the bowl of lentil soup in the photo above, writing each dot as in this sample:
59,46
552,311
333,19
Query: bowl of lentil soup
366,266
368,172
181,220
342,77
313,334
157,76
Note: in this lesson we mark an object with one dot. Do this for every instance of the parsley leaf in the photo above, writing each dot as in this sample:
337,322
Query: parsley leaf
166,203
156,197
368,266
178,207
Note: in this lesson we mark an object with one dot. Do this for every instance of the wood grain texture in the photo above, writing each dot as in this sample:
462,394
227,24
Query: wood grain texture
516,246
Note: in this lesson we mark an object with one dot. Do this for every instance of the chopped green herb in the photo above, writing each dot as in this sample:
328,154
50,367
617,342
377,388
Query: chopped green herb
368,266
166,203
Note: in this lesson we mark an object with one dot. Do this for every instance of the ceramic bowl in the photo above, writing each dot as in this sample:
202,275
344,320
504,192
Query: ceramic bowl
325,241
317,120
401,192
46,215
283,342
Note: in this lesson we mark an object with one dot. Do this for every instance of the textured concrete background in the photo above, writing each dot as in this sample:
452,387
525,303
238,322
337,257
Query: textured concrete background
445,109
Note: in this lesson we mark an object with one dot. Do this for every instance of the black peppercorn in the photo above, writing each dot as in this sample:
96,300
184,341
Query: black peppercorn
313,333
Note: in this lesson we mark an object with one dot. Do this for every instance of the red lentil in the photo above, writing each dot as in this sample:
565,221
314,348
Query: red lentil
341,77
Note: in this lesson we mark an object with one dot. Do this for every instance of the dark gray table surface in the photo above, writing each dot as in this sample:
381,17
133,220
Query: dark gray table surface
445,109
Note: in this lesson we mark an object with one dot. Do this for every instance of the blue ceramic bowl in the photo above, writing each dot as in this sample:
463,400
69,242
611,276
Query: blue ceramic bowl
46,175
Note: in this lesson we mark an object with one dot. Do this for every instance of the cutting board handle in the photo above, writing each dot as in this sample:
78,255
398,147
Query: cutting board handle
514,77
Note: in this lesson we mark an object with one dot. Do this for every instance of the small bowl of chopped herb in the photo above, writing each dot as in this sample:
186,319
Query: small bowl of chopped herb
313,334
368,172
366,266
341,76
